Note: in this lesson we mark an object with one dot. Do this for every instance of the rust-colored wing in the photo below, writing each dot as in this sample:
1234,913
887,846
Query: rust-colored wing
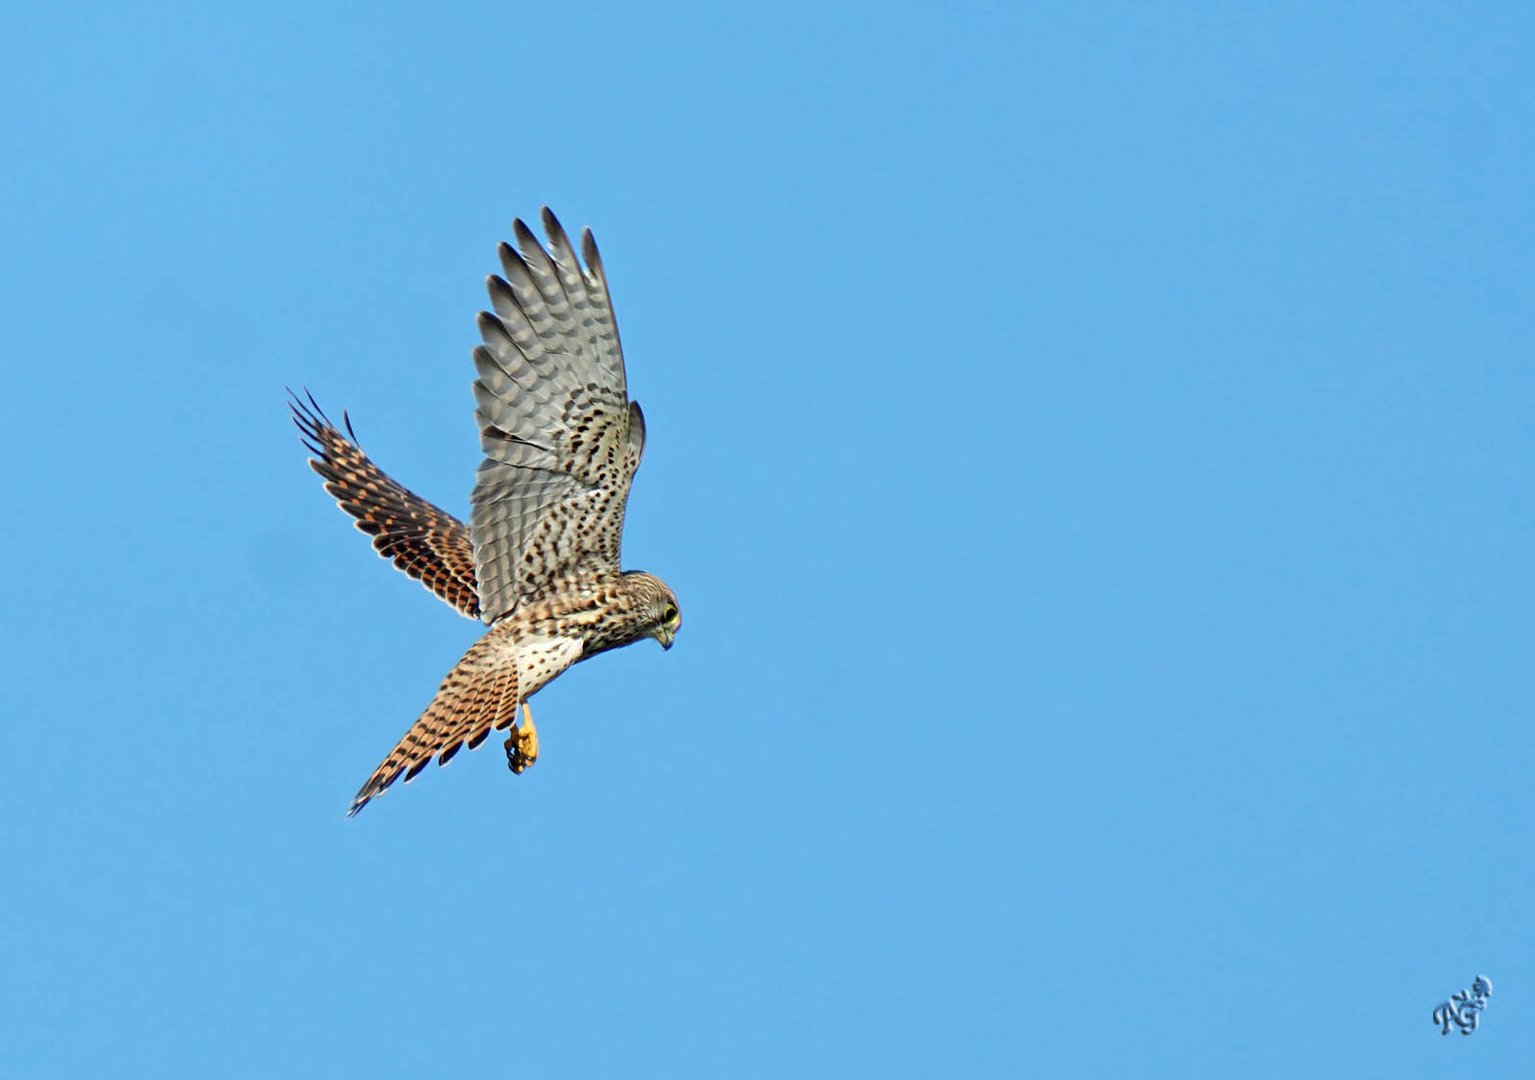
480,695
426,542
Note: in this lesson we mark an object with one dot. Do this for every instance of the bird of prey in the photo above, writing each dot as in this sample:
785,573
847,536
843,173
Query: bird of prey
539,560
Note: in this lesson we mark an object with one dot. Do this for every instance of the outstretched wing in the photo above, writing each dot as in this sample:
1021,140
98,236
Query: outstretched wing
560,435
480,695
428,544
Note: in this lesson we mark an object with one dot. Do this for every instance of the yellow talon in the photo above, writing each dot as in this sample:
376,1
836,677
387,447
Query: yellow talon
522,743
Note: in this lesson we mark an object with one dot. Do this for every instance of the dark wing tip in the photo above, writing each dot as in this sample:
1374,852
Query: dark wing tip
313,424
525,238
555,231
307,416
513,263
307,410
491,328
591,256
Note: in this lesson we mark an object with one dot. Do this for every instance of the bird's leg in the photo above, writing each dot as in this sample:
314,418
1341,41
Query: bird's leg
522,743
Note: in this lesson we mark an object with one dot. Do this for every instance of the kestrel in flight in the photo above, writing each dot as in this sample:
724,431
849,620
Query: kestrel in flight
538,561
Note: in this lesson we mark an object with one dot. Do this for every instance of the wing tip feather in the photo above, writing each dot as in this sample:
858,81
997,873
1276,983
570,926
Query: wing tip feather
592,257
527,240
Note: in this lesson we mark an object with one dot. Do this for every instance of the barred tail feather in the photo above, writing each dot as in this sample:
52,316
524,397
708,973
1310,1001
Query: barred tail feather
481,694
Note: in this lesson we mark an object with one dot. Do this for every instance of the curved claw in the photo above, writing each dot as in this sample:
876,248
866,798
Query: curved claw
522,743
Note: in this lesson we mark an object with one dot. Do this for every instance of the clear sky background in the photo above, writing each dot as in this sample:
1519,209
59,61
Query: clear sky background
1092,445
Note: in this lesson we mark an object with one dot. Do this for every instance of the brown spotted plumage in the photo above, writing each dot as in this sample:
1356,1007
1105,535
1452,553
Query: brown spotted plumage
539,560
427,543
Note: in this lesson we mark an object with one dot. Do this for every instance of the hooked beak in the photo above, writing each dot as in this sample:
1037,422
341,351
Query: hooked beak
665,636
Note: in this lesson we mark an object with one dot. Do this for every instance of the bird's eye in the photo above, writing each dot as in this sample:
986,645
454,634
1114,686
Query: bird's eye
669,614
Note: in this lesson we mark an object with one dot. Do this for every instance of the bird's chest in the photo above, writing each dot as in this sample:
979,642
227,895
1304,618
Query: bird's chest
539,659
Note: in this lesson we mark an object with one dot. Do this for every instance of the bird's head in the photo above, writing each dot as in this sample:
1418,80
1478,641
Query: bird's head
659,604
668,619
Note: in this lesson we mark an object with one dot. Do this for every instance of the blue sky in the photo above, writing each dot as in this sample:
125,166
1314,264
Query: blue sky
1091,445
